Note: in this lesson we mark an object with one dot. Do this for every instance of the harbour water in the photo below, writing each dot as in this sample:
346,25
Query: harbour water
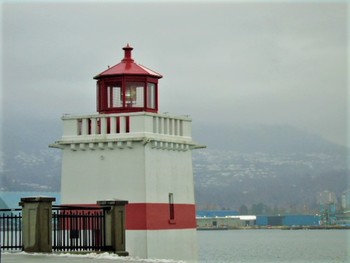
253,246
237,246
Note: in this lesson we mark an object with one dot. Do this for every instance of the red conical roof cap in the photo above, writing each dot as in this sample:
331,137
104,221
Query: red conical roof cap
127,66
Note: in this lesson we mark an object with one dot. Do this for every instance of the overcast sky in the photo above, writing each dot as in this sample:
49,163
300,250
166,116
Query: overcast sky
270,63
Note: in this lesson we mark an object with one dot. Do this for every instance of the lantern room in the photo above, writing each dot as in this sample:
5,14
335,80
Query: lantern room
127,87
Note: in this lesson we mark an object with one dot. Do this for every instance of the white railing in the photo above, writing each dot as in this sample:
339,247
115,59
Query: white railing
131,124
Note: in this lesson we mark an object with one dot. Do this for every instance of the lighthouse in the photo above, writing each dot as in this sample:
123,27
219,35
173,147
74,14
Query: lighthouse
130,151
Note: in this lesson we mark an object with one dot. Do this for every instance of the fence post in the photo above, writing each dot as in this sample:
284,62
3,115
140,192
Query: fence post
115,225
37,223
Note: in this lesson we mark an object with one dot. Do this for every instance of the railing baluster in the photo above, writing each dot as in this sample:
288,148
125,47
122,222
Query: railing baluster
8,232
76,229
5,231
64,231
71,228
20,230
60,234
95,231
92,231
2,229
89,229
15,226
101,216
84,231
54,227
98,229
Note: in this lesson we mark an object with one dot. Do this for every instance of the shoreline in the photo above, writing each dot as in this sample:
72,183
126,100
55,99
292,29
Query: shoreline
329,227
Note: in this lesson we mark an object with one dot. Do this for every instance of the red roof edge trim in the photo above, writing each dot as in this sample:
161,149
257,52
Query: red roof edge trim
100,75
150,71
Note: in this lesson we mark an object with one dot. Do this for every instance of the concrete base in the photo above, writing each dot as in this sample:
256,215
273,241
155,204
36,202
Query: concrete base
177,244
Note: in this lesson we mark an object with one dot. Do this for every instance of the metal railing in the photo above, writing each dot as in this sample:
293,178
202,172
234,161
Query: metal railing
66,228
78,228
11,229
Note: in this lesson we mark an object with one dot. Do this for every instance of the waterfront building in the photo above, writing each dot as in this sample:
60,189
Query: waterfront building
130,151
345,201
326,197
225,222
288,220
216,213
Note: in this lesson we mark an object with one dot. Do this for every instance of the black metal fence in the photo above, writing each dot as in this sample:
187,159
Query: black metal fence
11,229
78,228
74,228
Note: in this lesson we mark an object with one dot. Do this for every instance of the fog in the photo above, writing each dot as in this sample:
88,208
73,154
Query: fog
231,62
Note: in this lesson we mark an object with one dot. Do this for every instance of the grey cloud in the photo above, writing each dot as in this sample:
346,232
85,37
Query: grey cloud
282,63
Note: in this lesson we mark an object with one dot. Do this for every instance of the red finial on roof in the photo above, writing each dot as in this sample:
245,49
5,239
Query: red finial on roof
127,54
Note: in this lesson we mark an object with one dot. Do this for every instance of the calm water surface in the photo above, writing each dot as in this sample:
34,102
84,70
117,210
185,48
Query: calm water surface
245,246
309,246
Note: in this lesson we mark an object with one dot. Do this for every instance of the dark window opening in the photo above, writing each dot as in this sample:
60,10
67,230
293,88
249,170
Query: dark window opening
171,206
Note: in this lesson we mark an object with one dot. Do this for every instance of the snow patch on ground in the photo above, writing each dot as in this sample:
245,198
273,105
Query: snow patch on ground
97,256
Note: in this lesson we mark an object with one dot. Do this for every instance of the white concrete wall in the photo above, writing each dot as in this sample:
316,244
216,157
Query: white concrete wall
142,166
137,174
179,244
91,175
168,171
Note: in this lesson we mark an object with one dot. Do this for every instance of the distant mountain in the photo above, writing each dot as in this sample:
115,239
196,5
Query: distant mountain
28,164
29,135
286,182
262,138
279,166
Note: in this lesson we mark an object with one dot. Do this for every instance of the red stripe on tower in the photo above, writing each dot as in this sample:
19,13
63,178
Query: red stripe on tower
151,216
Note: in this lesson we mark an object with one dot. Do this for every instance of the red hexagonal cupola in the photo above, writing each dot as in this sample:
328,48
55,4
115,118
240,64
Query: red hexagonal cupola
127,87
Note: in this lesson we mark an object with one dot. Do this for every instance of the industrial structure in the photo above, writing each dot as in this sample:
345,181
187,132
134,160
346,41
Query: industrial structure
226,219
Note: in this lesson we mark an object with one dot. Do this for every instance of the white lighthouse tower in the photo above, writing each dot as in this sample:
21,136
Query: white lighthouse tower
130,151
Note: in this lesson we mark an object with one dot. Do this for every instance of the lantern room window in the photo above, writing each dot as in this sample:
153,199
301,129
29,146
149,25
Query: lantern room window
151,95
134,95
117,97
114,96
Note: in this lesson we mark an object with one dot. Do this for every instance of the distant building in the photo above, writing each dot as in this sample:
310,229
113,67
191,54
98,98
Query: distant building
326,197
288,220
216,213
218,222
223,219
328,207
345,200
231,219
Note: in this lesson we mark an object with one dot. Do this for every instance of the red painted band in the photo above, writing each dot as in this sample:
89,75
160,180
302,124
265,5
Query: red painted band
156,216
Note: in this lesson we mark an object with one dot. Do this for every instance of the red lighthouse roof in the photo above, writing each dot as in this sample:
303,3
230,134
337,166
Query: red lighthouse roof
128,67
127,87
